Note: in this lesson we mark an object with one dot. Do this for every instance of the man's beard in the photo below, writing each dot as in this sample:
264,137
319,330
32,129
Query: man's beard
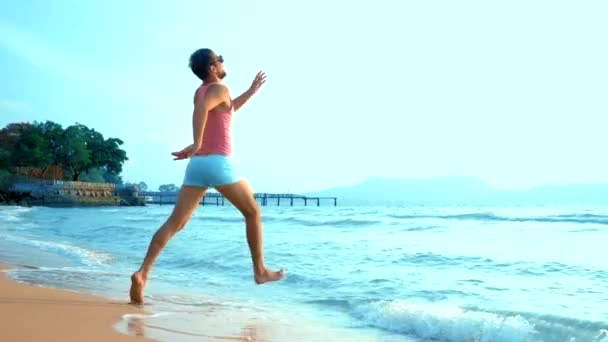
222,75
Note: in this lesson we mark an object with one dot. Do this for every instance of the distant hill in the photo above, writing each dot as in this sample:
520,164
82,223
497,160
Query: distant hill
461,190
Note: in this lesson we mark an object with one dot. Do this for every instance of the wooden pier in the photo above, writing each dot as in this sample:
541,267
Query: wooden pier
214,198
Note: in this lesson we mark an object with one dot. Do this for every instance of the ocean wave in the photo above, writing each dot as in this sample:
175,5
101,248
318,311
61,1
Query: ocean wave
93,273
147,218
294,220
348,222
77,278
515,267
223,219
490,217
13,214
184,300
110,210
446,322
103,231
312,282
342,304
432,259
184,263
11,217
423,228
16,209
189,303
86,256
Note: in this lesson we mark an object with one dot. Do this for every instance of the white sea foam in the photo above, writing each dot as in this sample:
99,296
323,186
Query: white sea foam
445,323
88,257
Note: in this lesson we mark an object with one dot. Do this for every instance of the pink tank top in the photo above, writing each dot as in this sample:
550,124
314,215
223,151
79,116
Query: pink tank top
217,138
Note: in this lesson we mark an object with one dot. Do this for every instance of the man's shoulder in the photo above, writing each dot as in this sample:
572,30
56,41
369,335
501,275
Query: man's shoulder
217,89
217,85
214,89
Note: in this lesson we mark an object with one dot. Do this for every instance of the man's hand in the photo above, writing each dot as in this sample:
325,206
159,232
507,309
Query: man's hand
259,79
183,154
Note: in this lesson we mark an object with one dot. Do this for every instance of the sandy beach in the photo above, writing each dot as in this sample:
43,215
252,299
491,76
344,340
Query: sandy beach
32,313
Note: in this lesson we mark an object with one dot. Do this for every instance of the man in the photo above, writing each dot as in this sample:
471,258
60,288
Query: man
210,166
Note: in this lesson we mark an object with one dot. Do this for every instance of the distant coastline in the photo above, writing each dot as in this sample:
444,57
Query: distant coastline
43,163
462,191
54,193
448,191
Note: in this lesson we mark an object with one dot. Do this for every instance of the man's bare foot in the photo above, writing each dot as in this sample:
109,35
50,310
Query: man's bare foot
268,276
137,288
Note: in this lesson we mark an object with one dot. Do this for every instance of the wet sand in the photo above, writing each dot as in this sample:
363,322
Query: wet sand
33,313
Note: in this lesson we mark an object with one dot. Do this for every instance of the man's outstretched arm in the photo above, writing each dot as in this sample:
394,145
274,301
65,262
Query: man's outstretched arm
259,79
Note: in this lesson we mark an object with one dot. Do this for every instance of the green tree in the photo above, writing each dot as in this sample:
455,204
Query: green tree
53,134
78,150
8,137
10,133
29,148
168,188
5,157
105,154
100,175
142,186
112,178
114,157
31,145
73,154
83,149
94,175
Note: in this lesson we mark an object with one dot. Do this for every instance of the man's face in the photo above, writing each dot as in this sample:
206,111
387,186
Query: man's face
217,66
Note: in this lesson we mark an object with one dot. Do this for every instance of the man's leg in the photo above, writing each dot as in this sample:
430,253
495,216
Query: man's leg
188,199
240,195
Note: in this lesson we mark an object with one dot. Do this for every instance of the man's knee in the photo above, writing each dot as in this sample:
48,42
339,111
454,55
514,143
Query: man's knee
252,212
181,225
177,223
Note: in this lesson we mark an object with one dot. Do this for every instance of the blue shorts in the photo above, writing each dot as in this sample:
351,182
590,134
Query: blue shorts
207,171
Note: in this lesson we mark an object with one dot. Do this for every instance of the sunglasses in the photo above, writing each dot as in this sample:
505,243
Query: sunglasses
219,59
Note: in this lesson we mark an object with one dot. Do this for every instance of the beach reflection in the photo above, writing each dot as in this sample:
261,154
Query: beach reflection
135,325
207,329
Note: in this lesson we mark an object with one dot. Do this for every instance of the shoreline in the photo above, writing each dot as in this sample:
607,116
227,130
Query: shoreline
35,313
206,308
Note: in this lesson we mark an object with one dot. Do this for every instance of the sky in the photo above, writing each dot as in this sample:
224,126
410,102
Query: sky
510,92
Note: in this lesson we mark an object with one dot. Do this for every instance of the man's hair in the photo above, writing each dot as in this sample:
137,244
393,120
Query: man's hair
200,60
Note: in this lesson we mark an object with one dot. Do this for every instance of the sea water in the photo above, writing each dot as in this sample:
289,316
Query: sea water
357,273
